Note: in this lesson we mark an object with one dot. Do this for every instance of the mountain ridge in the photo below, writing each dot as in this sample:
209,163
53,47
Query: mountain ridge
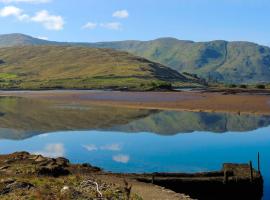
219,60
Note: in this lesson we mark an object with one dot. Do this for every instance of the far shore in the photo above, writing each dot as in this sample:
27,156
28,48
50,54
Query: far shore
196,101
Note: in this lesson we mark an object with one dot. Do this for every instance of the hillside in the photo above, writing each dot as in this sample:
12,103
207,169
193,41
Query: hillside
37,67
231,62
16,39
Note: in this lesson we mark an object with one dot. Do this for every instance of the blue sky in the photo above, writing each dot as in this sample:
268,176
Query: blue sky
109,20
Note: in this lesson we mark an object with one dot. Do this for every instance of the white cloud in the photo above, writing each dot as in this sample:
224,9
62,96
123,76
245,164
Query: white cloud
112,25
121,14
111,147
90,25
43,37
121,158
90,147
25,1
11,11
50,22
52,150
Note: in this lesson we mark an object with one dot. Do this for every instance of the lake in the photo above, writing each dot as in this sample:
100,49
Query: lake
134,140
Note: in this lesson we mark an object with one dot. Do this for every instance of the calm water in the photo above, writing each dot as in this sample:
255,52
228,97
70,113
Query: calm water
132,140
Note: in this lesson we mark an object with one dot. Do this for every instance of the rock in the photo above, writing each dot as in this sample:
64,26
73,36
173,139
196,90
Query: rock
38,158
20,185
65,190
21,155
69,193
62,161
7,181
52,168
87,165
17,156
3,168
15,185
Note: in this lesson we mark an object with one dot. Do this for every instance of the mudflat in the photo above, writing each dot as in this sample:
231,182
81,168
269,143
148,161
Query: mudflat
197,101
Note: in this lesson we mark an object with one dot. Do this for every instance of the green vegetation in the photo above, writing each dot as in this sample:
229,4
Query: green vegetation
243,86
231,62
7,76
260,86
215,61
34,177
66,67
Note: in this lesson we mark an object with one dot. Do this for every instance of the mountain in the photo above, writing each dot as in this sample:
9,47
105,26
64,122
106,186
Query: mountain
230,62
16,39
37,67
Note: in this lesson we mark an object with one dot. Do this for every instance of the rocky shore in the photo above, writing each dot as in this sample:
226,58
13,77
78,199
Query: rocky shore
25,176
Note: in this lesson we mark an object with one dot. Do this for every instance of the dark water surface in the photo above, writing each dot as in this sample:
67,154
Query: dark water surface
134,140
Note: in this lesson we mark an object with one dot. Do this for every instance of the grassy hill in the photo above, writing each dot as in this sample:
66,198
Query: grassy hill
38,67
231,62
16,39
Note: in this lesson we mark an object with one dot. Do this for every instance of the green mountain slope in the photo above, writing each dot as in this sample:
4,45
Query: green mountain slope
36,67
231,62
16,39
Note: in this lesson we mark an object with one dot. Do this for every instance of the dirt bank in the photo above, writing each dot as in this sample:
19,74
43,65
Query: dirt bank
252,103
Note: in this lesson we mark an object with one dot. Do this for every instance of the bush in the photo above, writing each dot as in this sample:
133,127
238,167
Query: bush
161,85
260,86
243,86
232,86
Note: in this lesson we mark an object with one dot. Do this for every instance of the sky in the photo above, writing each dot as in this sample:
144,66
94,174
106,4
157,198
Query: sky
113,20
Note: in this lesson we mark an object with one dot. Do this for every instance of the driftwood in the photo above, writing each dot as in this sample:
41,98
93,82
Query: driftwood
90,183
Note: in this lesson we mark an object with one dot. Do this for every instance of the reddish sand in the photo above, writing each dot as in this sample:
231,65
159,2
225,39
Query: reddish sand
185,101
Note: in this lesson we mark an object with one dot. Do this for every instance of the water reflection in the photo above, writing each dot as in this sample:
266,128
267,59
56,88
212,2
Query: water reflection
146,152
22,118
54,128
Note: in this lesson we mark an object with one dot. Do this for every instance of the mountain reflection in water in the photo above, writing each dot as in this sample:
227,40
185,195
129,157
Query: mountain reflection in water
21,118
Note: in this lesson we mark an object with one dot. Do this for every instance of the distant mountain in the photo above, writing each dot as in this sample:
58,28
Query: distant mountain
231,62
37,67
17,39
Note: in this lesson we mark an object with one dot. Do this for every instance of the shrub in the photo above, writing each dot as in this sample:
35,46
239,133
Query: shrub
243,86
260,86
161,85
232,86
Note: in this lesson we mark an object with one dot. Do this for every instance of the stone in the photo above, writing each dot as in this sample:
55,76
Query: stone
15,185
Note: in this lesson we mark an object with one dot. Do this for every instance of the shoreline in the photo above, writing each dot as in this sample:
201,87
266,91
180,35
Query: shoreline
193,101
34,174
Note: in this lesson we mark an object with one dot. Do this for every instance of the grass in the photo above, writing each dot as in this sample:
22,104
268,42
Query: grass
7,76
44,67
230,62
